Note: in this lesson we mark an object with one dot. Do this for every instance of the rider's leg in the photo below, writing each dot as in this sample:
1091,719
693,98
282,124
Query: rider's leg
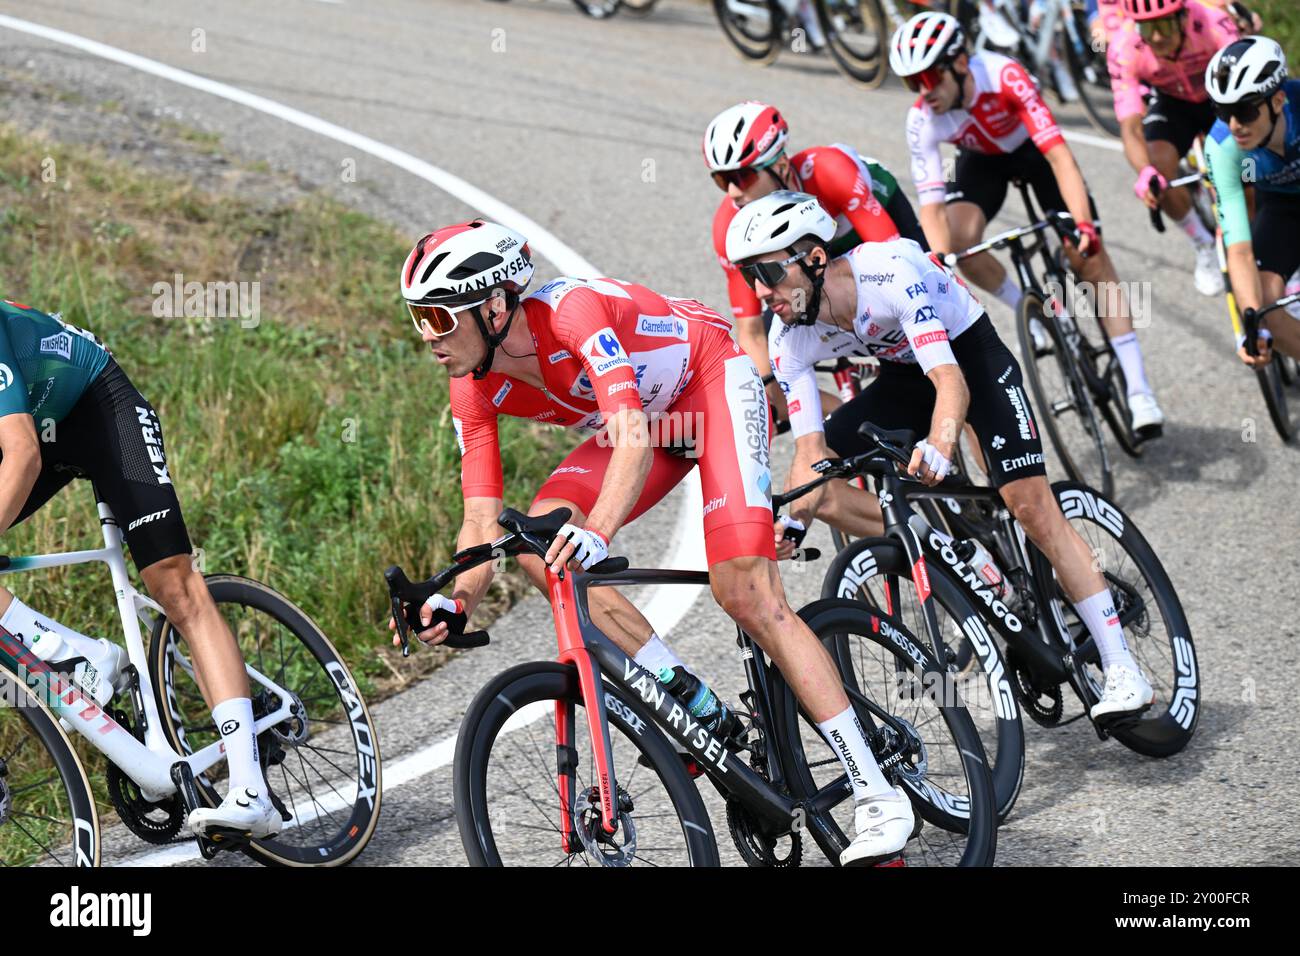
1285,328
967,222
1170,127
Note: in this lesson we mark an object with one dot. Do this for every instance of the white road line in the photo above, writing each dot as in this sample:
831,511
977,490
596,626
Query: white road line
666,604
1101,142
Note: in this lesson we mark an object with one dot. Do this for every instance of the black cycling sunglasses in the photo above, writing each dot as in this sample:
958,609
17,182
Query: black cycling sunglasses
770,273
1246,111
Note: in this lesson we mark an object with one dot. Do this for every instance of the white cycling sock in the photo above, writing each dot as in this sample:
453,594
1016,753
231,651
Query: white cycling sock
1129,354
850,744
1009,293
655,655
27,625
1098,613
234,719
1195,229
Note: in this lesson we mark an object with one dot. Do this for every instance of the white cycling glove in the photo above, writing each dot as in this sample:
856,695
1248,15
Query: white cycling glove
440,603
590,547
934,460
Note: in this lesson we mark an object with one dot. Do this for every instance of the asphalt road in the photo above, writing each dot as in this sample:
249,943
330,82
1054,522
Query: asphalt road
592,129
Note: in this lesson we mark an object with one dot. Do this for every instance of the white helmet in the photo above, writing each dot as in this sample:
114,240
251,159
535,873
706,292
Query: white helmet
747,134
462,264
1251,67
927,39
777,221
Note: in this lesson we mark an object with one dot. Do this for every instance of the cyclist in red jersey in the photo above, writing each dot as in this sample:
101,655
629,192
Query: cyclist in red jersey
665,388
989,107
745,150
1164,45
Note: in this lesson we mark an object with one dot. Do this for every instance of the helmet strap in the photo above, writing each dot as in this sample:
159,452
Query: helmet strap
816,275
493,339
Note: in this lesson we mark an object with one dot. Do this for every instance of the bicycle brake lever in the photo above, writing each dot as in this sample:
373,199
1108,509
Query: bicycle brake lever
1157,220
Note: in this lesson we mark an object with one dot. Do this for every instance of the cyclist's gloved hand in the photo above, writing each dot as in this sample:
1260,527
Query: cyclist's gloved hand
1142,187
1089,241
789,533
928,463
1262,352
582,545
447,616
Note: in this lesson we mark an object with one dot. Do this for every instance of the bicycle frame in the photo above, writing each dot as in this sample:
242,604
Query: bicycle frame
596,657
146,762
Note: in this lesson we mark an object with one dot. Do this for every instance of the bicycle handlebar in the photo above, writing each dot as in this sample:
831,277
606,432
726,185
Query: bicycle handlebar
1250,320
1054,220
527,534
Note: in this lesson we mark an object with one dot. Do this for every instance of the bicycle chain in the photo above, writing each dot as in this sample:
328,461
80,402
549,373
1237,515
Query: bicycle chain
1031,697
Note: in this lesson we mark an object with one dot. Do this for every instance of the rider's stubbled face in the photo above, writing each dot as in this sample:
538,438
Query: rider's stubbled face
1252,135
944,96
461,350
788,300
763,184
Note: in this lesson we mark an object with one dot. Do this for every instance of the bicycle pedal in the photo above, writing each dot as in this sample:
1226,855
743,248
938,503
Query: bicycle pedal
892,861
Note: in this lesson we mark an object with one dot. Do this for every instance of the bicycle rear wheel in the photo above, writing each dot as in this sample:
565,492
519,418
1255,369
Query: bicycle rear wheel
752,27
47,810
1088,69
638,8
508,801
1273,386
857,37
598,9
938,762
323,764
1065,406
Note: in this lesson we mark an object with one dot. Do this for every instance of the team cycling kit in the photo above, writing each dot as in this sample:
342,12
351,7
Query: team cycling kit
1276,225
913,314
90,422
861,195
603,346
1180,109
1000,138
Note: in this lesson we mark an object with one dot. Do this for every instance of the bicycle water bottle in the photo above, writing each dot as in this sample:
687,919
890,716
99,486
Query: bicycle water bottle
978,558
700,701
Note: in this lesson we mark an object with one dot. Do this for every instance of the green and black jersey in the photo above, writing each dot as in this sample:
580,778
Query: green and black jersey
46,365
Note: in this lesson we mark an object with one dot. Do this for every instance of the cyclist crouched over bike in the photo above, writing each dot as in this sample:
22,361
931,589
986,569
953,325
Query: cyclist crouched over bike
608,356
96,424
1257,134
941,365
988,105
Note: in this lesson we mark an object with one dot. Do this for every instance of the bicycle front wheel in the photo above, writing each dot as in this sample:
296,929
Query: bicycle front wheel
1061,396
323,763
752,27
1089,71
856,35
47,810
1272,384
511,810
935,758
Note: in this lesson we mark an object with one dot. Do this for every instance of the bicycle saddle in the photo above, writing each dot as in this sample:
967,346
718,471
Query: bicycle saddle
545,526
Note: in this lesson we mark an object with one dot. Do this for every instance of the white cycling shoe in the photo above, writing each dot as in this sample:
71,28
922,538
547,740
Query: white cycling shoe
882,826
244,810
1042,338
1147,418
1126,692
1208,277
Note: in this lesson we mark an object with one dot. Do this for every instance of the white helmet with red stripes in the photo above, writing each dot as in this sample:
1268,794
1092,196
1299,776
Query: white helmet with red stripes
745,135
926,40
462,264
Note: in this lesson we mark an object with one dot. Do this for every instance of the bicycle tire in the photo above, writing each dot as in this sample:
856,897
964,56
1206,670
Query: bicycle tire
1090,73
865,70
538,681
80,834
1079,397
1274,389
348,837
758,44
833,620
598,9
1001,726
1170,725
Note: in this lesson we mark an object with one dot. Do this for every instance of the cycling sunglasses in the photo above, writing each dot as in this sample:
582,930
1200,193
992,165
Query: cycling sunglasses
1246,111
1164,26
436,320
743,178
770,273
926,80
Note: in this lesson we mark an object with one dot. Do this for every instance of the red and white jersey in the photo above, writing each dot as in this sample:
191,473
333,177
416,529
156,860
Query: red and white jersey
1007,111
909,307
841,181
602,345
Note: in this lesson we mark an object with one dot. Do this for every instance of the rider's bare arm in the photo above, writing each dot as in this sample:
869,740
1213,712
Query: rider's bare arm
629,464
1135,143
1073,189
20,464
952,399
478,527
934,223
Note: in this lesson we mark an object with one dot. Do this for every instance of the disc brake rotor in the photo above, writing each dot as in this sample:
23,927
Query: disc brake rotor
588,822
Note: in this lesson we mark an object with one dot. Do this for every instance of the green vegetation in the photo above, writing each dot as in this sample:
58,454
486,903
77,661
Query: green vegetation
1282,23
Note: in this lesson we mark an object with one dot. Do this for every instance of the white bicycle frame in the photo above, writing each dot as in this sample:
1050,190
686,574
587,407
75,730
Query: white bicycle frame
148,764
1056,14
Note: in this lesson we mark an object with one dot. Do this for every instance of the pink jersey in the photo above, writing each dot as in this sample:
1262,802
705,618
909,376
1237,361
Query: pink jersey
1132,63
1006,112
602,345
